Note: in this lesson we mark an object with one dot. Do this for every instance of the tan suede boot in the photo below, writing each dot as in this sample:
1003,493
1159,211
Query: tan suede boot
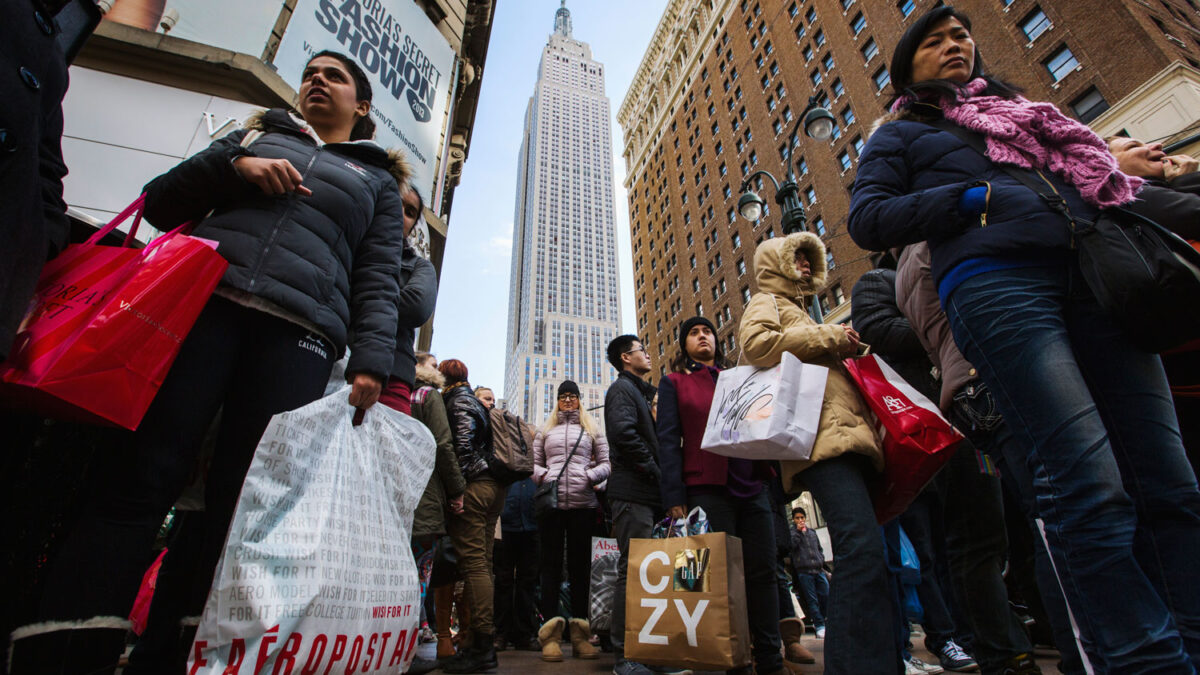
790,632
581,632
443,601
549,636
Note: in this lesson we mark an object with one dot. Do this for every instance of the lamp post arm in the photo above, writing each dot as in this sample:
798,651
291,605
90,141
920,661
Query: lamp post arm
791,175
761,172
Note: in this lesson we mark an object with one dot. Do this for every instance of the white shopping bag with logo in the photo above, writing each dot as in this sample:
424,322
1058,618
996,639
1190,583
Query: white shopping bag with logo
317,575
766,413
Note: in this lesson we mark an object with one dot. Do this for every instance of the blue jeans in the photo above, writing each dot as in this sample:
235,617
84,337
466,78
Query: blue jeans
1119,504
815,588
861,619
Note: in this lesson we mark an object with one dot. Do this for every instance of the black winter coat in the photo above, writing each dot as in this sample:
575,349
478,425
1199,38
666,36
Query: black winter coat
632,441
332,258
878,320
418,295
33,216
1173,204
471,428
909,181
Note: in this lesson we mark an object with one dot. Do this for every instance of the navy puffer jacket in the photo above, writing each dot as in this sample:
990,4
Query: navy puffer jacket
909,181
331,259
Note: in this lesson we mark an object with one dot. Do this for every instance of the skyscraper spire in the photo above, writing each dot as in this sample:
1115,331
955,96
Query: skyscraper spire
562,20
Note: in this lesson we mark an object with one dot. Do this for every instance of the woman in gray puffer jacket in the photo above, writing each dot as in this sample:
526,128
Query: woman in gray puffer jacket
571,450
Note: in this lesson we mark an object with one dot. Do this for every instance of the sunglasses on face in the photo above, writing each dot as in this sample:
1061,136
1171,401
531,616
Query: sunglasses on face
568,397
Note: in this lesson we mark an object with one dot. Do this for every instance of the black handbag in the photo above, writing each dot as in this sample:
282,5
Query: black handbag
545,499
1146,277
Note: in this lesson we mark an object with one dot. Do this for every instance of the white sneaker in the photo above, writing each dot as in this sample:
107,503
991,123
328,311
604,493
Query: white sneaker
821,633
915,666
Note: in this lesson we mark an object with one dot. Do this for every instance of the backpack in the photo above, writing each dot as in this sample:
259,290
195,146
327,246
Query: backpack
512,447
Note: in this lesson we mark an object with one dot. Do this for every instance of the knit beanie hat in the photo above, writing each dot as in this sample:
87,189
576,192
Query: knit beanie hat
568,387
691,323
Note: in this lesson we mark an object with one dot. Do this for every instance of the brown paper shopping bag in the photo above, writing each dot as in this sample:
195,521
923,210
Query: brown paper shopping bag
685,602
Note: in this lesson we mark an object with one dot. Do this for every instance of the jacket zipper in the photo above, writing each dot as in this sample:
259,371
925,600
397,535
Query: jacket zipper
987,204
262,257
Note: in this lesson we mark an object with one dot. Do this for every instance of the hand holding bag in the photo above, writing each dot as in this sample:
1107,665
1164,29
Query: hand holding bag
545,499
107,322
917,439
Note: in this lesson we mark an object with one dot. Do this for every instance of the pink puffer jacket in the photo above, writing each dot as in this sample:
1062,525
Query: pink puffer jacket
589,465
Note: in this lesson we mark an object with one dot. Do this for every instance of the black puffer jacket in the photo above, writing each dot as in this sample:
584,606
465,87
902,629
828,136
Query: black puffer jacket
472,431
418,295
331,259
879,322
632,441
1174,204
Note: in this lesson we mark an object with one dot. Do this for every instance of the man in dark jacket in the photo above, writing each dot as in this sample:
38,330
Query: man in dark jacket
33,215
633,485
808,562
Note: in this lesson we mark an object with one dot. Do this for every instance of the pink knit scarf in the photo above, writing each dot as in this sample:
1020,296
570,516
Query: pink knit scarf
1034,135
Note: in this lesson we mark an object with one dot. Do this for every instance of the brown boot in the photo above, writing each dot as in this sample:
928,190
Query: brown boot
550,635
443,601
790,632
581,632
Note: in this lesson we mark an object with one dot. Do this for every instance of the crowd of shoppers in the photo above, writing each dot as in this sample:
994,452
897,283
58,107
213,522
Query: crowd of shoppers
978,302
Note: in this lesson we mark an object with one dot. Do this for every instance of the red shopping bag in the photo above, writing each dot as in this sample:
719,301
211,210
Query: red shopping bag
105,324
141,604
917,439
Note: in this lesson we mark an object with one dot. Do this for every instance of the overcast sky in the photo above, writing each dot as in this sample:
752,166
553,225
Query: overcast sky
472,311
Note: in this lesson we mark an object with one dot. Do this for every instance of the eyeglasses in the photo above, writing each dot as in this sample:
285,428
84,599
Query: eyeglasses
641,349
568,397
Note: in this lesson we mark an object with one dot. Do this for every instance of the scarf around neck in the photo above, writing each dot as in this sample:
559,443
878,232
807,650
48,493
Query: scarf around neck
1034,135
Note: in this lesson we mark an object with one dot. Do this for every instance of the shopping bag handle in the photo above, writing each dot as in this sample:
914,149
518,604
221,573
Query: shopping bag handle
135,209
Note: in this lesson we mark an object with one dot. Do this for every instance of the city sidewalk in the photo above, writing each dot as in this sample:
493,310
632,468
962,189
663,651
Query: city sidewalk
530,663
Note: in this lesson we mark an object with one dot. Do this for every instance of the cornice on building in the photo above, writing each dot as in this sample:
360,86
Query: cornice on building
683,35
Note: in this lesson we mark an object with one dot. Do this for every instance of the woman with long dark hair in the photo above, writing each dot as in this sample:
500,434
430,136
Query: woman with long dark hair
1091,412
309,218
733,492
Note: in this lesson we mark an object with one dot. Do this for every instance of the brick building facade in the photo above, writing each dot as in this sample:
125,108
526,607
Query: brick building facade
723,82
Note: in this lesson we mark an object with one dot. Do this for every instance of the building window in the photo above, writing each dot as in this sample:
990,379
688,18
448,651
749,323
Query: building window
758,61
844,160
810,196
858,145
827,62
882,78
838,296
737,241
800,32
778,127
906,7
1035,23
787,114
848,116
811,15
808,53
869,50
858,23
793,10
819,38
1061,63
1089,106
819,226
829,260
802,167
816,78
838,88
741,267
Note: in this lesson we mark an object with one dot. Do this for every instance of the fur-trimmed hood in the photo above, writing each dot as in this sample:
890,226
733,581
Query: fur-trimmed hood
430,376
395,163
775,266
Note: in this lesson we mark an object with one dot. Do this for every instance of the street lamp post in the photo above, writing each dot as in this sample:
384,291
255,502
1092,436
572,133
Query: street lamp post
818,123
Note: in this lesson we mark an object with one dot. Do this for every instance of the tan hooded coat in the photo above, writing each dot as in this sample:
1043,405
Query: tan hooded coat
776,321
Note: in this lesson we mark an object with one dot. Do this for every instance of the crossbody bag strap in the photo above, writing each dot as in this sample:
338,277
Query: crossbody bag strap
571,454
1027,177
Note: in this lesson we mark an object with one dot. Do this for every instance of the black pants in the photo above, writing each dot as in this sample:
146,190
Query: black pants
516,564
750,520
575,527
247,363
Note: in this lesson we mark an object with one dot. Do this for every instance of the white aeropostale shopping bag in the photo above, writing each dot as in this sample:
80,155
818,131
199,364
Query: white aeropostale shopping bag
317,575
766,413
